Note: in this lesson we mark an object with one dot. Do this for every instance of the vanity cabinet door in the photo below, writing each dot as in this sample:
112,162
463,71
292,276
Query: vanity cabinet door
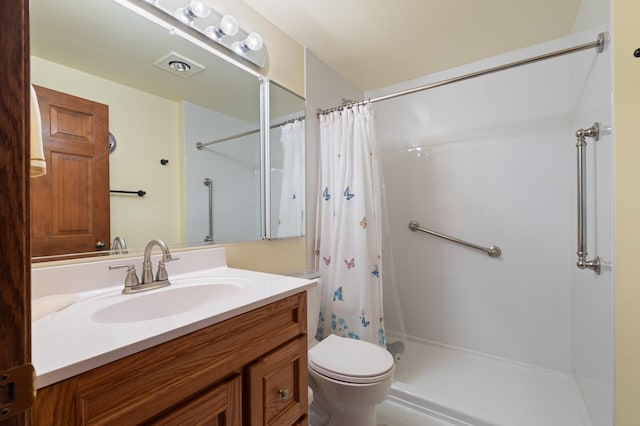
277,386
220,405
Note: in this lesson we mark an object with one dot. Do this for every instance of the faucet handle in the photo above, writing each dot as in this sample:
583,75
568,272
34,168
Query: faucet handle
162,274
131,279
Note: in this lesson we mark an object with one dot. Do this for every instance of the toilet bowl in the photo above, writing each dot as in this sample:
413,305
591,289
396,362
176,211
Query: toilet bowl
348,377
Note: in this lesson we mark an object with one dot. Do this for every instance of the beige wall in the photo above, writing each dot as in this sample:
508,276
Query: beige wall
276,257
626,38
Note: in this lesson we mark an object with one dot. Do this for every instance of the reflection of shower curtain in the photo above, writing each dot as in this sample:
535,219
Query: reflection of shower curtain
349,227
291,219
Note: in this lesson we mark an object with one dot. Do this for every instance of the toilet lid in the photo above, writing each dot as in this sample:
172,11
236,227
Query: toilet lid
350,360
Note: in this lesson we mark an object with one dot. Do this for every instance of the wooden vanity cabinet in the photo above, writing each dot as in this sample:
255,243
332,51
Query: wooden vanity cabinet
250,369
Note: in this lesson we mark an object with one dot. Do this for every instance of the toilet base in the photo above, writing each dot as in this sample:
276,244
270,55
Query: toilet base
318,416
341,415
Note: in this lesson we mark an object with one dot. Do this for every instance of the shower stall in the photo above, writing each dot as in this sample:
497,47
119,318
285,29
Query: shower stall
524,337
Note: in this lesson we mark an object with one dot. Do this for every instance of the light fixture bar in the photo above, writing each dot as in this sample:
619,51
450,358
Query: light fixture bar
146,9
221,30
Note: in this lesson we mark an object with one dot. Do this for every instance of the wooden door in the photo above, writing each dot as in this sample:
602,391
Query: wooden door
15,267
70,204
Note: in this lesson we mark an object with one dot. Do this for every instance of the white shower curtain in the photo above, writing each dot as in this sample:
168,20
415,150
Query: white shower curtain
349,227
291,220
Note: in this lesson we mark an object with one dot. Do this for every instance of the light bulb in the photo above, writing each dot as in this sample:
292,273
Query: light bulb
252,42
199,8
228,27
196,9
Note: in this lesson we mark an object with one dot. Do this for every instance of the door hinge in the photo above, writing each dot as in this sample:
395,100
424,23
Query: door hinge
17,390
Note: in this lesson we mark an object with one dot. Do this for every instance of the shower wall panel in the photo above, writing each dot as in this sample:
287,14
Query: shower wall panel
593,294
491,161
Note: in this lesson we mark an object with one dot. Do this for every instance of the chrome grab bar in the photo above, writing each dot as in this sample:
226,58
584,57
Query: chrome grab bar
208,182
582,134
492,251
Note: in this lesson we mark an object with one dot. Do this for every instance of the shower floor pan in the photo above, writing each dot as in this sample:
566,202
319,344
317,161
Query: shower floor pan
439,385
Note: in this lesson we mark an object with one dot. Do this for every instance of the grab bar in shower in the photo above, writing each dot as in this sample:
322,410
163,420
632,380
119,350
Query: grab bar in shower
492,251
209,183
582,134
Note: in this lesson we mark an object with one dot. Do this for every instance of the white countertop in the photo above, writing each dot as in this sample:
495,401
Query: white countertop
79,338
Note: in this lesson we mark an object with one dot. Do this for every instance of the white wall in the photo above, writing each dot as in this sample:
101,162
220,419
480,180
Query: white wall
147,130
593,303
497,166
234,167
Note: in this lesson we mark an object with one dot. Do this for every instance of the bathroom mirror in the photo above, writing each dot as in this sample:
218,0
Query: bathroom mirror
287,163
104,52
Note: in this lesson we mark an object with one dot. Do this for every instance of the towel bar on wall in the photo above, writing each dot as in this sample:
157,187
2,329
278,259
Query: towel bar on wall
492,251
209,183
139,193
582,134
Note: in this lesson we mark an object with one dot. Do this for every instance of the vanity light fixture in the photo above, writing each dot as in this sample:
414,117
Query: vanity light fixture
228,26
196,9
253,42
213,30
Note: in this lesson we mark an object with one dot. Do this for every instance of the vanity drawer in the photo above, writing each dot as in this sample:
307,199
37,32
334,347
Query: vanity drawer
278,386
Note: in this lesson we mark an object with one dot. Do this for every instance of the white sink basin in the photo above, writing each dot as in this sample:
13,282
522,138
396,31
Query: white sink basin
161,303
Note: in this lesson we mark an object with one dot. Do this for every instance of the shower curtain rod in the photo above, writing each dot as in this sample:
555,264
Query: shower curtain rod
598,45
201,145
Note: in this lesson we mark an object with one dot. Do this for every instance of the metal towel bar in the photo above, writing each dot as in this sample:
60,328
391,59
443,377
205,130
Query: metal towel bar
492,251
139,193
209,183
582,134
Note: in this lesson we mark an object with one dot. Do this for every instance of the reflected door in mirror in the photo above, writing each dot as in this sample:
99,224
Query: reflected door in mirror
70,204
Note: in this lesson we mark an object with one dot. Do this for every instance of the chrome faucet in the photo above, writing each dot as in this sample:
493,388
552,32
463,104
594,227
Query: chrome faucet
119,246
147,269
132,285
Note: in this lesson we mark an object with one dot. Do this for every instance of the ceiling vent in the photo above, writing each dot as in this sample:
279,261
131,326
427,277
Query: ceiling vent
178,65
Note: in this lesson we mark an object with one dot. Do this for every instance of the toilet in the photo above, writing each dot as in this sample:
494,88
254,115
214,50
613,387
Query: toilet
347,377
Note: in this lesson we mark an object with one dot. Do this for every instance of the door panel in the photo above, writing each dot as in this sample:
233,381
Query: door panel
70,204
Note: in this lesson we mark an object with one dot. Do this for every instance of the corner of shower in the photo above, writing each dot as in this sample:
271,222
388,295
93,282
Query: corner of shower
396,336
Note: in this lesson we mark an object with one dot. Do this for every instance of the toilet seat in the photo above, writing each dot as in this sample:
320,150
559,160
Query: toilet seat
350,360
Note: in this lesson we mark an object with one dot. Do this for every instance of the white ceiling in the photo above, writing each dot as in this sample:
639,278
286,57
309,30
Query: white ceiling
375,43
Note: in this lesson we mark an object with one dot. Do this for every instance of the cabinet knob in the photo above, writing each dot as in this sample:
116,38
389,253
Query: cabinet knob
101,245
284,394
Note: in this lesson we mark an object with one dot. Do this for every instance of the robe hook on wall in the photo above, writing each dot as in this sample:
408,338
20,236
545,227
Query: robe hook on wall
636,53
